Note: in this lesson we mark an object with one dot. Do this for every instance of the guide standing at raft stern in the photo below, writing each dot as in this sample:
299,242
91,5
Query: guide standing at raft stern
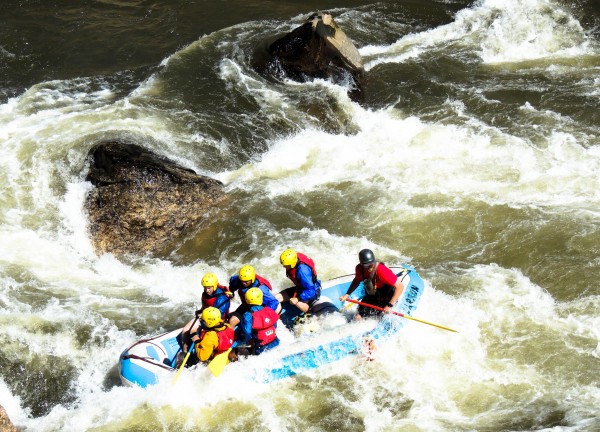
383,288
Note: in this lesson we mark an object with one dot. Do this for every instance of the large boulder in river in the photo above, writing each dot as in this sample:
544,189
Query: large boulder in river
318,49
143,203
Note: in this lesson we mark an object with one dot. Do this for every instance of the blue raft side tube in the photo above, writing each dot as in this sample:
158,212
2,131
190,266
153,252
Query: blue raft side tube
327,353
145,376
294,363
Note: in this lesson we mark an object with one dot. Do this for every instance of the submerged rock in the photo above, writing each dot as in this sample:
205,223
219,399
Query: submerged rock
5,423
318,49
142,203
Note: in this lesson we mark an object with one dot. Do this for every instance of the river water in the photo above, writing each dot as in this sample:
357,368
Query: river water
475,157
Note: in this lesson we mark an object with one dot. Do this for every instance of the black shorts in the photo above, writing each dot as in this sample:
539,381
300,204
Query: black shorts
241,310
381,298
288,293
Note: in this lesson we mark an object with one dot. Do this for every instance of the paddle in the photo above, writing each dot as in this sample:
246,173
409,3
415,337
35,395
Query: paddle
188,353
402,315
218,363
182,366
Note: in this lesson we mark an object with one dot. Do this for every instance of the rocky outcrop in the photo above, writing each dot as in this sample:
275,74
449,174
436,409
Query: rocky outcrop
5,423
318,49
143,203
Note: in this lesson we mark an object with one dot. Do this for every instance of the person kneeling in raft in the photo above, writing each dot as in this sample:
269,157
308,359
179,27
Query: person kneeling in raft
257,329
383,288
300,269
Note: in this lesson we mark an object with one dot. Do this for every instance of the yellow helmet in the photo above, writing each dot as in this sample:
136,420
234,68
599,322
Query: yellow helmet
211,317
210,280
247,273
289,257
254,296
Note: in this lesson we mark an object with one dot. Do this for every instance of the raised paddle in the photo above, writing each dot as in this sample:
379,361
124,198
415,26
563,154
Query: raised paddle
402,315
218,363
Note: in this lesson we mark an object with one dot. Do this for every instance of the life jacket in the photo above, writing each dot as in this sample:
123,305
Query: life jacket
263,325
264,281
226,336
209,300
242,290
235,284
291,272
370,280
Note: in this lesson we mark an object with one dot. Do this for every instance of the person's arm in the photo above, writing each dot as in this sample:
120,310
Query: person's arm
244,329
222,303
269,299
207,346
353,285
234,284
308,288
389,278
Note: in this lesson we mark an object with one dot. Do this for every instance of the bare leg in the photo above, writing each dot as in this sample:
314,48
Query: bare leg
233,321
188,326
302,306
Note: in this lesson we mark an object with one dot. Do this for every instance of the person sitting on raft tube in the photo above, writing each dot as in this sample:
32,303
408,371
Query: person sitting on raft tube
257,330
383,288
215,336
242,282
300,269
214,295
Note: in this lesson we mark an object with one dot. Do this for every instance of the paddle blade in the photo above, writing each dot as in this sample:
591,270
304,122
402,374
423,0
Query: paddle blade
217,364
181,367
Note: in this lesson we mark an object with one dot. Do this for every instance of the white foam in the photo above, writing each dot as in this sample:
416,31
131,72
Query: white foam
500,31
415,156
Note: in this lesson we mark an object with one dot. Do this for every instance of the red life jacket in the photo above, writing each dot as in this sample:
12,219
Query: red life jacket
263,324
210,300
261,280
291,273
225,334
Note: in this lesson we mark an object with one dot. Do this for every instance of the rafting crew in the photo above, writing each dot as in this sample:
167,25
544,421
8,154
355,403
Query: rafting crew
300,269
382,287
214,295
253,324
257,330
242,282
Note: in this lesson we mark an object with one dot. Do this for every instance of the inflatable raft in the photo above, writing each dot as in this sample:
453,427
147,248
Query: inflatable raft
142,363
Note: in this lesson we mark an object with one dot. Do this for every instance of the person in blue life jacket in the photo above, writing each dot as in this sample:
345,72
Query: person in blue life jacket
256,332
242,282
214,295
300,269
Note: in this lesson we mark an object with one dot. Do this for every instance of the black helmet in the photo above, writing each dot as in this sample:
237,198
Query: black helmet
366,256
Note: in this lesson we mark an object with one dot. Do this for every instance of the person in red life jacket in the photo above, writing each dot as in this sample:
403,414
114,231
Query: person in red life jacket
242,282
257,330
300,269
214,295
383,288
215,336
